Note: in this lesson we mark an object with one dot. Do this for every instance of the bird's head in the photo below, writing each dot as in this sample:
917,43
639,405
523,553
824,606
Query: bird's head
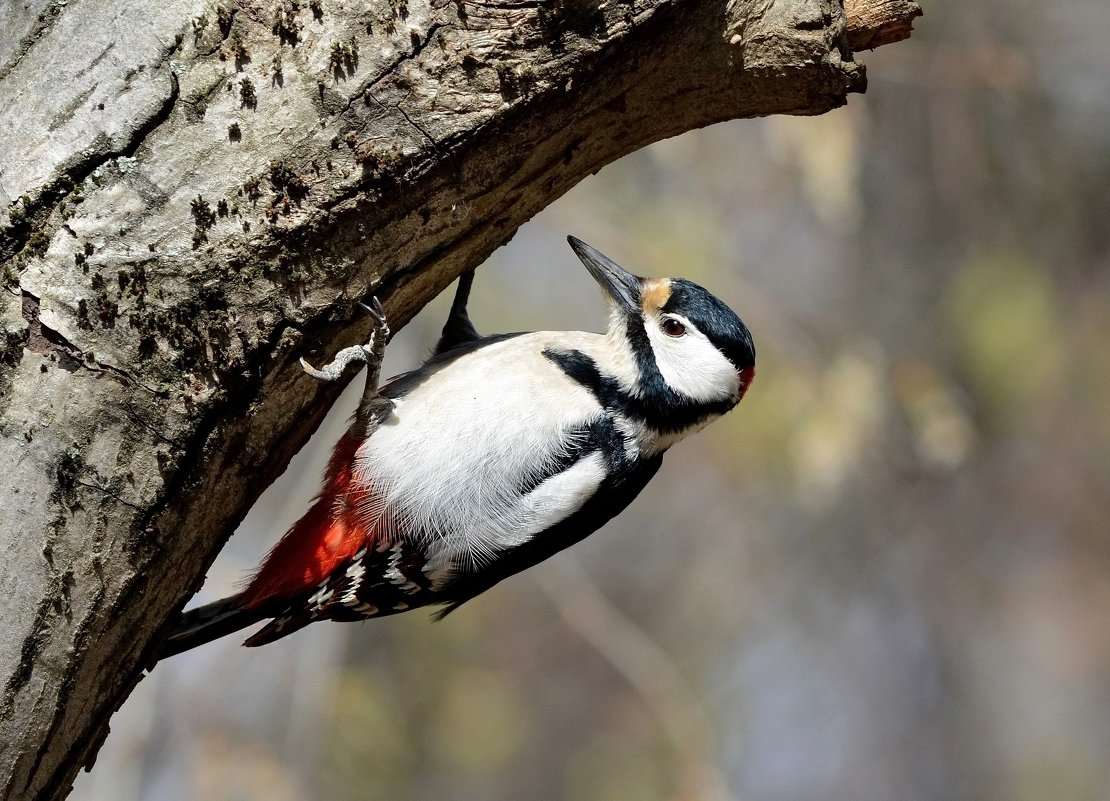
679,333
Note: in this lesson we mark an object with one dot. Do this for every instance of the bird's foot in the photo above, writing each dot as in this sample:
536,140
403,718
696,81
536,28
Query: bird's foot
373,408
370,354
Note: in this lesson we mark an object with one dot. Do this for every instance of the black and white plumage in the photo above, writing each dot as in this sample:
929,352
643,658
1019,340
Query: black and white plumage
497,453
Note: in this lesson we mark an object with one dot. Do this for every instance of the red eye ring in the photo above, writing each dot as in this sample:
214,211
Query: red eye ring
672,327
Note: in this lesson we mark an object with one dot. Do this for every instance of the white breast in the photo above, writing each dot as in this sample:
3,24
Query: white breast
449,462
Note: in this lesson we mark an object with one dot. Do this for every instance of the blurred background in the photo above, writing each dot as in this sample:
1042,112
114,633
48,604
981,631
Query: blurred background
886,575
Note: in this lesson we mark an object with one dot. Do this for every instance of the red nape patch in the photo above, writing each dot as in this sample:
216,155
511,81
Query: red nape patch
327,535
746,377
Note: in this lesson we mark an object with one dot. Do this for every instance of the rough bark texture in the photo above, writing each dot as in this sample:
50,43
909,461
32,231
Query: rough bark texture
194,195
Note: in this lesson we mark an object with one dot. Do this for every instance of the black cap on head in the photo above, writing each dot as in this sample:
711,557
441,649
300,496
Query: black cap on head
714,319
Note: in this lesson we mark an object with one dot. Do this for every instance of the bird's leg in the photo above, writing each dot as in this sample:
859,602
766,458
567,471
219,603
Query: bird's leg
373,408
458,330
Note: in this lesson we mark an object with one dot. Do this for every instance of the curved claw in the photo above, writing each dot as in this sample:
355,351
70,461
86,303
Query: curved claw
377,313
312,371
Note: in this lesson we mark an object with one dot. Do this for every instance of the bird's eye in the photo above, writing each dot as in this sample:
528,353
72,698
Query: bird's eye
673,328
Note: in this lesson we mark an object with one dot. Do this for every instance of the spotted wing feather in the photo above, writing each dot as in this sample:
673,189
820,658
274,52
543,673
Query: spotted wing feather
372,583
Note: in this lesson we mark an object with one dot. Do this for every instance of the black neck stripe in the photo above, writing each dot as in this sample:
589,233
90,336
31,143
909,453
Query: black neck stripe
659,406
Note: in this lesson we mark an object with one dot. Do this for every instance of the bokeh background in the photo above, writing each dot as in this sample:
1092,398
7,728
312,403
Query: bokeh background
885,576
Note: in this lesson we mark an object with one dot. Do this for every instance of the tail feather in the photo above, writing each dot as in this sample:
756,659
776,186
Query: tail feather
328,535
458,330
209,622
280,627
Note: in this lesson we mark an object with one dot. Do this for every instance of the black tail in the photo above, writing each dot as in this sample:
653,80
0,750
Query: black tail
458,330
206,623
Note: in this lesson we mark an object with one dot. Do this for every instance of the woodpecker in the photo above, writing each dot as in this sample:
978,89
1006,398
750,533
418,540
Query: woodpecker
495,454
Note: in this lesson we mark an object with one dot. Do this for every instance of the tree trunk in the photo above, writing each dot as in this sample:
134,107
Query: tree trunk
195,195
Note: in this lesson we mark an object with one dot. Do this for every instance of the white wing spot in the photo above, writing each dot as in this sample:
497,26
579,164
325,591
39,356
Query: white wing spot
394,574
356,572
320,597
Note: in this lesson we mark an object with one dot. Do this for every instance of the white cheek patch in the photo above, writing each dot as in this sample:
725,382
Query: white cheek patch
691,365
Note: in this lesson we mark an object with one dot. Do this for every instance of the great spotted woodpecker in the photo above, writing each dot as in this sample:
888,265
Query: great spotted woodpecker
497,453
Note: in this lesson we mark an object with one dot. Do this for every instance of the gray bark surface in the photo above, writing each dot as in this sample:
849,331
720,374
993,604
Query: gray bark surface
193,195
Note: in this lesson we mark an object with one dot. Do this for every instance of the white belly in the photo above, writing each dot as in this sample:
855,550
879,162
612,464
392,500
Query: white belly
448,464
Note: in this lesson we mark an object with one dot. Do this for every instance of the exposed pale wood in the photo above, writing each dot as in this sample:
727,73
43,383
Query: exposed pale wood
190,206
872,23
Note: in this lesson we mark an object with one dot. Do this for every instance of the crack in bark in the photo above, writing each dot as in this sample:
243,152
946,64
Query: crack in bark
134,417
417,49
41,203
109,493
46,341
125,377
43,24
425,134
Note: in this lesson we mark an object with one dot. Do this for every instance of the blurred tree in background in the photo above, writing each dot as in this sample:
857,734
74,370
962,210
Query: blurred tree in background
885,575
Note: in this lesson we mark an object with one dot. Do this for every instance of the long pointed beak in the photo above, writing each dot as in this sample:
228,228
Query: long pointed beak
619,284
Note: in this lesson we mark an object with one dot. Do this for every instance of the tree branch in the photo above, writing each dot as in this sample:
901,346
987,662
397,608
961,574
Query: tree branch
194,207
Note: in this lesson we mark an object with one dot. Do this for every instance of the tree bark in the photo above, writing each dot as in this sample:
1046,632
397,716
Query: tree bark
195,195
